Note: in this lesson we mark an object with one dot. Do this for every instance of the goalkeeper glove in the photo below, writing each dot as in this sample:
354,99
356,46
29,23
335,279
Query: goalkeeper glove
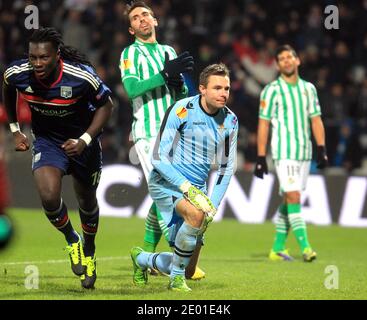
198,199
172,68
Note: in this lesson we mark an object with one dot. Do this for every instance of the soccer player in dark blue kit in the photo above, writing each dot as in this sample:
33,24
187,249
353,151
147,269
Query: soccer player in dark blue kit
70,105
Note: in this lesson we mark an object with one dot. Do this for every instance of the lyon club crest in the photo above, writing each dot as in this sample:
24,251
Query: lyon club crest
66,92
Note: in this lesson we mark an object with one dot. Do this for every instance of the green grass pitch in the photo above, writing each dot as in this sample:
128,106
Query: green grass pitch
234,258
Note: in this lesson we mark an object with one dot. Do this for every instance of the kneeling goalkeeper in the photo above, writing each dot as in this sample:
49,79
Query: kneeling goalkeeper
196,132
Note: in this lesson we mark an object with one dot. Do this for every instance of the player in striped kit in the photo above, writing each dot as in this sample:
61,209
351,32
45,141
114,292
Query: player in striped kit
70,105
291,107
196,132
152,77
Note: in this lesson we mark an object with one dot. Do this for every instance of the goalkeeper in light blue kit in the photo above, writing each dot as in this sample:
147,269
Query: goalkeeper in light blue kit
196,132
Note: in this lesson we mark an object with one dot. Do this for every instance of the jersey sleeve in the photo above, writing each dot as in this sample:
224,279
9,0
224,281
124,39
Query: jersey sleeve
267,102
10,75
130,76
314,103
172,125
99,93
15,71
226,166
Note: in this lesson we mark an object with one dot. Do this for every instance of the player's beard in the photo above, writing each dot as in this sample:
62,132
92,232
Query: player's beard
289,73
145,35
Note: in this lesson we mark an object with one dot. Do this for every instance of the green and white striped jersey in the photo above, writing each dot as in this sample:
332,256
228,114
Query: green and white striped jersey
290,108
144,61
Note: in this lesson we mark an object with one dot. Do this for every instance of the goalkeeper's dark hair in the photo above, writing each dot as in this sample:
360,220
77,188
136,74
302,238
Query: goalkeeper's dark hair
218,69
54,37
136,4
284,47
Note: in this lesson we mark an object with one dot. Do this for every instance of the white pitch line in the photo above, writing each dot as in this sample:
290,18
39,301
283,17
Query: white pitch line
58,261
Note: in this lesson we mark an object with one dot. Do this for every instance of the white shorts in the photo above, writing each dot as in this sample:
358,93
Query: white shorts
292,174
144,149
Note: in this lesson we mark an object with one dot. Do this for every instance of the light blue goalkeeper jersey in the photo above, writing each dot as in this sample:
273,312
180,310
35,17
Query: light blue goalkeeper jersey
191,141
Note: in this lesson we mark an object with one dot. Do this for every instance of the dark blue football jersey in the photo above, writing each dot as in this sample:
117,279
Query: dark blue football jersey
64,109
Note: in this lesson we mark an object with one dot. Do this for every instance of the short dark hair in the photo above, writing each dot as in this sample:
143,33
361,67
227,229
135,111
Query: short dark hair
137,4
285,47
217,69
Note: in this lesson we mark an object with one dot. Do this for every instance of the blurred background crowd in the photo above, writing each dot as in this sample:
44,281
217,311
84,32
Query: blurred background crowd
241,33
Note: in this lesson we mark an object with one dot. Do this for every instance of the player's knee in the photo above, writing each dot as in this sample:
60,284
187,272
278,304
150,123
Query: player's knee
196,218
293,197
87,198
51,204
50,199
87,204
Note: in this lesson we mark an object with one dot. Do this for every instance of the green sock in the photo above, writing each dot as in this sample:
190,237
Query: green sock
153,232
298,225
162,225
281,229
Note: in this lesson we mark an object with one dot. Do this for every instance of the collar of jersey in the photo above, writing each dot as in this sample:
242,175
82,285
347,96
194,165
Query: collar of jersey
290,84
208,114
139,42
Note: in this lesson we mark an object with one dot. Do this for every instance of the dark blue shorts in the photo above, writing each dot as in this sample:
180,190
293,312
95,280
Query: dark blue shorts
86,168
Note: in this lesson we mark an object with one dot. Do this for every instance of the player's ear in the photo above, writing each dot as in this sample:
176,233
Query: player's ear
298,61
202,89
58,54
131,31
155,22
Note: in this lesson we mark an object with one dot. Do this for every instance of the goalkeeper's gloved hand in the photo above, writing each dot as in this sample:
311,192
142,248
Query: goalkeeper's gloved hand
198,199
172,68
261,167
322,159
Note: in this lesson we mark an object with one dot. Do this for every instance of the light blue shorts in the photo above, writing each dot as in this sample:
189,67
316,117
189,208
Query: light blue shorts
166,196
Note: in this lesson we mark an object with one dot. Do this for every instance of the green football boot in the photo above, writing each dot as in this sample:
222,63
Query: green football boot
178,283
140,277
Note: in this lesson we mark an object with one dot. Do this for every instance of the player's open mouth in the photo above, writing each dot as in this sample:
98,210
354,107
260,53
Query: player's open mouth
39,73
